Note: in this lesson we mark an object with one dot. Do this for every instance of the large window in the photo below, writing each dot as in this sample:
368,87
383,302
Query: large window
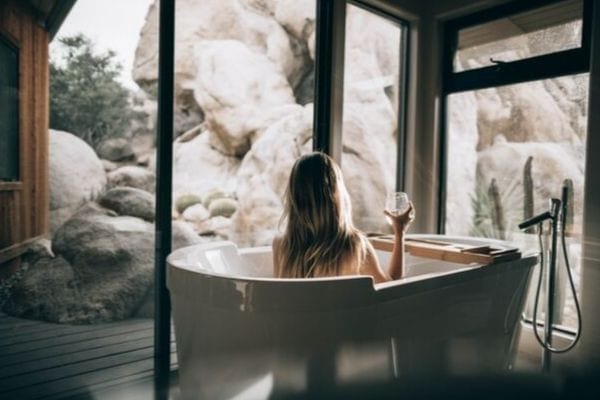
545,30
9,111
372,130
516,131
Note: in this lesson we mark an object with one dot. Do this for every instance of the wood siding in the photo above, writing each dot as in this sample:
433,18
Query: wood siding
24,206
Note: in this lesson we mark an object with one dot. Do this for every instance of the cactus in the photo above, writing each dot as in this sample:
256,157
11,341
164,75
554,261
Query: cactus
497,212
185,201
223,207
568,228
213,195
528,202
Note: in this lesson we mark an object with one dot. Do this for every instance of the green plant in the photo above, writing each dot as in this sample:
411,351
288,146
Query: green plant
213,195
497,214
496,210
528,199
86,98
223,207
186,201
568,228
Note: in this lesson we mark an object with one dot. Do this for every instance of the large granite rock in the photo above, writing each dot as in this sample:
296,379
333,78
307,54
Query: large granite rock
264,173
244,21
371,48
297,17
198,168
522,113
101,245
462,156
369,161
76,176
263,176
231,96
254,125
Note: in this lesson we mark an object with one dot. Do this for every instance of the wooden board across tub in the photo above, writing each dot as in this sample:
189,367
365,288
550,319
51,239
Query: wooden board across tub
448,251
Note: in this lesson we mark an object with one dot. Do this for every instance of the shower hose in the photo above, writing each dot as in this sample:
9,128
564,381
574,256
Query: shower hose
571,284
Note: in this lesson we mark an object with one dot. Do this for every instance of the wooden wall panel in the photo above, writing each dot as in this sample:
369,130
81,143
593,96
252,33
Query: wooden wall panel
24,206
26,110
8,216
41,194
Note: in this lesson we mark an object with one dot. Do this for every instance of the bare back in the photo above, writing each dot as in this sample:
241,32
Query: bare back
368,266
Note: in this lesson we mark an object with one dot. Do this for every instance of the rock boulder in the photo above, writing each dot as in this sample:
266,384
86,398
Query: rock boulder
103,270
231,96
76,176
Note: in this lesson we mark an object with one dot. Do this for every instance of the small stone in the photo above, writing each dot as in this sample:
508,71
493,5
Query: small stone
116,149
196,213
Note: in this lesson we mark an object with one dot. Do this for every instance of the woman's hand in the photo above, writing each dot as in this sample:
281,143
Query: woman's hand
401,222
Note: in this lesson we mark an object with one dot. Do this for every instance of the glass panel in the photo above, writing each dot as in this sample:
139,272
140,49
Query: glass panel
9,112
370,121
244,83
545,30
510,149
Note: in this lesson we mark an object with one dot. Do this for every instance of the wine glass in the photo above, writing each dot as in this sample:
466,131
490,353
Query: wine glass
396,203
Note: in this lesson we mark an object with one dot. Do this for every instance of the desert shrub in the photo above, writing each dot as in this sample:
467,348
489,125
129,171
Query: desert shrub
186,201
213,195
223,207
86,98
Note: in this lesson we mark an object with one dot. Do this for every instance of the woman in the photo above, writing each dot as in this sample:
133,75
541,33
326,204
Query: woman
320,238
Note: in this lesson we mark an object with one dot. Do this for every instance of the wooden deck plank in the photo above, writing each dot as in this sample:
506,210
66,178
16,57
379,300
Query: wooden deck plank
119,388
70,358
98,390
42,360
9,323
8,336
85,383
99,332
69,348
75,369
62,361
33,333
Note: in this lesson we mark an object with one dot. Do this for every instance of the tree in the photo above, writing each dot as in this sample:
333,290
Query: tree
85,97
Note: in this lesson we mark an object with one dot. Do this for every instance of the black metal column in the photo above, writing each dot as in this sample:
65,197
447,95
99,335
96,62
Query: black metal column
164,152
329,76
323,70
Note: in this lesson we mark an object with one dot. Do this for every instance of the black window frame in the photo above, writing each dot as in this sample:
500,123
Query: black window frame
6,41
556,64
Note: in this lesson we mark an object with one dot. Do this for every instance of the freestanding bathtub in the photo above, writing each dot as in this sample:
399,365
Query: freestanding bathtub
242,333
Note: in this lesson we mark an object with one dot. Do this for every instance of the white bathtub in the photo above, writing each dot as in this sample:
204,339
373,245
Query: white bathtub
243,334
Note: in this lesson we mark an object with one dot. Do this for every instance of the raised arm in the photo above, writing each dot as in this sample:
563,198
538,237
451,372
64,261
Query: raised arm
400,224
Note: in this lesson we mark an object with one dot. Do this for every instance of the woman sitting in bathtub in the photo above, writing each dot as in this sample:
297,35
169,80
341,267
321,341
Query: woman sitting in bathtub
320,238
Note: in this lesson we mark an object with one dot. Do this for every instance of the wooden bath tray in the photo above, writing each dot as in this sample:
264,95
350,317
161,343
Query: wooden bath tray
447,251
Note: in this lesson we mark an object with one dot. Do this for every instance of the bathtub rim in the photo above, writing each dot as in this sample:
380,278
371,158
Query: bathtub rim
171,262
370,292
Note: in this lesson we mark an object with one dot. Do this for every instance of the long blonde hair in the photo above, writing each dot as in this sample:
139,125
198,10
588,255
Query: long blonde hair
320,238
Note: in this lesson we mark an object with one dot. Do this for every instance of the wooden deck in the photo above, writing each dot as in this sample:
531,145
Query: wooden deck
50,361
